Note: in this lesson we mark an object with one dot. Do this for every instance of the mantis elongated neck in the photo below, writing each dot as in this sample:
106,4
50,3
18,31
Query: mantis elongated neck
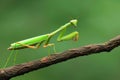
61,28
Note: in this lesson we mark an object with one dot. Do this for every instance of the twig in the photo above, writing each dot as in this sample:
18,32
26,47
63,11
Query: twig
10,72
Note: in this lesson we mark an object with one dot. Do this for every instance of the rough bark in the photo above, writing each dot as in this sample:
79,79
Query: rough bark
17,70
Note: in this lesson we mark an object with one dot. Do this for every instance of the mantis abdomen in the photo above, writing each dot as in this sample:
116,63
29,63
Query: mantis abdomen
30,41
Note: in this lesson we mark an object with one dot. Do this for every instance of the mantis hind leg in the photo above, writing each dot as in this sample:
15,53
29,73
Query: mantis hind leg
8,59
15,57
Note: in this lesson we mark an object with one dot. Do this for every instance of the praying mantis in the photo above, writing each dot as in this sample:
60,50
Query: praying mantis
35,42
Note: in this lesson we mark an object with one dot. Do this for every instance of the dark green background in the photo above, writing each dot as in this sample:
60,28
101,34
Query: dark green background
98,21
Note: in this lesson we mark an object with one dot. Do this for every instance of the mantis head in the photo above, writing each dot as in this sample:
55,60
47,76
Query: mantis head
74,22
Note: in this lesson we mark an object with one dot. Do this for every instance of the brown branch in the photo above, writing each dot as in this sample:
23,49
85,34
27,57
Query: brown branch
10,72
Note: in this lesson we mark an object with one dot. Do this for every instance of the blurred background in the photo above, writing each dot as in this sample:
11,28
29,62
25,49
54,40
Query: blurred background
98,21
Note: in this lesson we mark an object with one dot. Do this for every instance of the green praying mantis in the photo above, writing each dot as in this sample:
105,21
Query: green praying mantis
35,42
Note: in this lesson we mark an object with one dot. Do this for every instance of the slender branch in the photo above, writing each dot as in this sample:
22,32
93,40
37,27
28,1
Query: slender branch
10,72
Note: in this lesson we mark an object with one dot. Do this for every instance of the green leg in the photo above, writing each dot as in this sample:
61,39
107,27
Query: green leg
61,34
74,36
51,44
8,59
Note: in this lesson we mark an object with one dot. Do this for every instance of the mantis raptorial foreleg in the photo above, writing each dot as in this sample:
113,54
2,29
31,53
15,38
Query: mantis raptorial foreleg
61,34
74,36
